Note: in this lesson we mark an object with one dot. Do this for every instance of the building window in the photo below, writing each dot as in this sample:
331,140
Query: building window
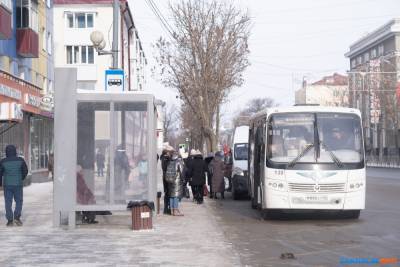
27,14
50,87
373,53
353,63
80,20
70,20
49,43
44,39
380,50
359,60
80,54
7,4
366,57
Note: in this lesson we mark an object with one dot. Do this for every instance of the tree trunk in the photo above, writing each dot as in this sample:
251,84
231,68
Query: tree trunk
217,126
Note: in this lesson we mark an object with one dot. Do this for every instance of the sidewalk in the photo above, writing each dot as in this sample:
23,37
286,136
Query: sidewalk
192,240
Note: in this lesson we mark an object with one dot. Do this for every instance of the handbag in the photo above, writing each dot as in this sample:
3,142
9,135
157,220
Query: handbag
186,192
205,190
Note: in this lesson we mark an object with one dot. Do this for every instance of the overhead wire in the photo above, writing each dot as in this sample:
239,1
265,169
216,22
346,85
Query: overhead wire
156,11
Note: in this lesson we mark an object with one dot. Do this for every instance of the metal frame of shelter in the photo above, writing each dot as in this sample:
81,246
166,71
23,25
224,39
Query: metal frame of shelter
76,126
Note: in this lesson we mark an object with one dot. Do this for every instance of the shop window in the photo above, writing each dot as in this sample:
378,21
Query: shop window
41,133
27,14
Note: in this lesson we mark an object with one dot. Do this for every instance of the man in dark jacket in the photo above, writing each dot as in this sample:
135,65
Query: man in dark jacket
198,169
13,171
165,158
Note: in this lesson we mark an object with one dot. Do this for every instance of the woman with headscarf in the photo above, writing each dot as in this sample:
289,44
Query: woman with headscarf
217,169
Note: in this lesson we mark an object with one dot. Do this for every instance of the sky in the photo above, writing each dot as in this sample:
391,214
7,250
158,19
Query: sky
290,40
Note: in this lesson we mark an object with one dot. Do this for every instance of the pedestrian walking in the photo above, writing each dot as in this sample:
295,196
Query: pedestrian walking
165,158
100,159
174,179
50,165
122,170
208,160
84,196
13,171
197,169
217,170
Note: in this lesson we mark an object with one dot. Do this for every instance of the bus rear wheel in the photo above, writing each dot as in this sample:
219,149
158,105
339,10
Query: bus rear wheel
254,198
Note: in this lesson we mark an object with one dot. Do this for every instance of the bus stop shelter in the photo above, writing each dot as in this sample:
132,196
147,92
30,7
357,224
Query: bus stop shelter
105,149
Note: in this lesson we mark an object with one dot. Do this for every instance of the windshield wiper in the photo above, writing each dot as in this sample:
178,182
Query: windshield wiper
300,155
333,156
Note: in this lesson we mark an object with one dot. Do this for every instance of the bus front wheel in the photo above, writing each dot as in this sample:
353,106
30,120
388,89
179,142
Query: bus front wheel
351,214
270,214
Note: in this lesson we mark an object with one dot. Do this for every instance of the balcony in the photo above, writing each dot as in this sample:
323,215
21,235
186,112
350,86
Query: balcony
27,43
5,22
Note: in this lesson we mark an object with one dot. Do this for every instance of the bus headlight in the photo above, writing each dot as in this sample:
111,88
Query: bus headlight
277,185
355,186
237,171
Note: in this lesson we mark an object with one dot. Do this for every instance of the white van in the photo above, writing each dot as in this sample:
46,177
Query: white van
240,156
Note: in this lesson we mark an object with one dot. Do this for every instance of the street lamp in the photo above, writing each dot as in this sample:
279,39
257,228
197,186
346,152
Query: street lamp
99,43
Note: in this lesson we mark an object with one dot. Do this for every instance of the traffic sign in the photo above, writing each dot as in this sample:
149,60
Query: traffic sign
114,81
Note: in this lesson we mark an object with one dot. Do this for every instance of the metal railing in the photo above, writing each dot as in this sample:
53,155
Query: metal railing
392,161
20,81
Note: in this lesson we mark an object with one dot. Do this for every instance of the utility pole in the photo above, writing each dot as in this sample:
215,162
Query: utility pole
115,34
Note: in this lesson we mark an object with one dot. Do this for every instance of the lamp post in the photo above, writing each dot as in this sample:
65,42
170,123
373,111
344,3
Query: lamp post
99,43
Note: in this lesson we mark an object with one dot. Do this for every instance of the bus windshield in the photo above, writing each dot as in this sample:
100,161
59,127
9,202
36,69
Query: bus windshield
314,138
241,151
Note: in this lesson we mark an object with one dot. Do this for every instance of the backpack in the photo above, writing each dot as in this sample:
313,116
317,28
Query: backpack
171,172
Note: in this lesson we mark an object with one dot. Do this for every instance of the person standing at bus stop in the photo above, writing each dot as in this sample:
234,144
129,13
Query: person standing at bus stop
13,171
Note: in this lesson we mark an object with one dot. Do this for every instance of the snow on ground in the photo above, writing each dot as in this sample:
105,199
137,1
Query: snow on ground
192,240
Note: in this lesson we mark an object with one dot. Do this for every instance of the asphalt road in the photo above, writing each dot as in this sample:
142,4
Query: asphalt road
317,240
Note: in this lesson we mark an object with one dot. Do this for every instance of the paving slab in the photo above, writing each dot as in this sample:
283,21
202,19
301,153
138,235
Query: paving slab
191,240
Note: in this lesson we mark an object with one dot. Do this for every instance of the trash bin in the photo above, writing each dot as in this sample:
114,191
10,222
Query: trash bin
142,213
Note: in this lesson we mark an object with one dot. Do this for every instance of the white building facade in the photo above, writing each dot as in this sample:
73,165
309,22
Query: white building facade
330,91
75,20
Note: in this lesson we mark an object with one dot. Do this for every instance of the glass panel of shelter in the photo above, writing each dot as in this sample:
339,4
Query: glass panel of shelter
112,132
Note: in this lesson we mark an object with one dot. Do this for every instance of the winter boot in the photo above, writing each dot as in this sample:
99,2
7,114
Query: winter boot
10,223
18,222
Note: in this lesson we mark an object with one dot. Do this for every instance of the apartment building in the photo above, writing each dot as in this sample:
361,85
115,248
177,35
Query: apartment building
75,20
329,91
26,80
374,78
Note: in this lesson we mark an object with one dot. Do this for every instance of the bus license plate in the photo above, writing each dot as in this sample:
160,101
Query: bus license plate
316,199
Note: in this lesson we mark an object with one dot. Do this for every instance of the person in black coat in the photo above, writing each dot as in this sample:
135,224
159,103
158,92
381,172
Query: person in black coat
198,169
208,160
165,158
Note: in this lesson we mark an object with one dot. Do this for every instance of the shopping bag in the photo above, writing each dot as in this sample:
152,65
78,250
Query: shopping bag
186,192
205,190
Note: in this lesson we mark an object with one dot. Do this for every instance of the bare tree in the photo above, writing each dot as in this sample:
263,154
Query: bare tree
171,116
252,107
205,58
